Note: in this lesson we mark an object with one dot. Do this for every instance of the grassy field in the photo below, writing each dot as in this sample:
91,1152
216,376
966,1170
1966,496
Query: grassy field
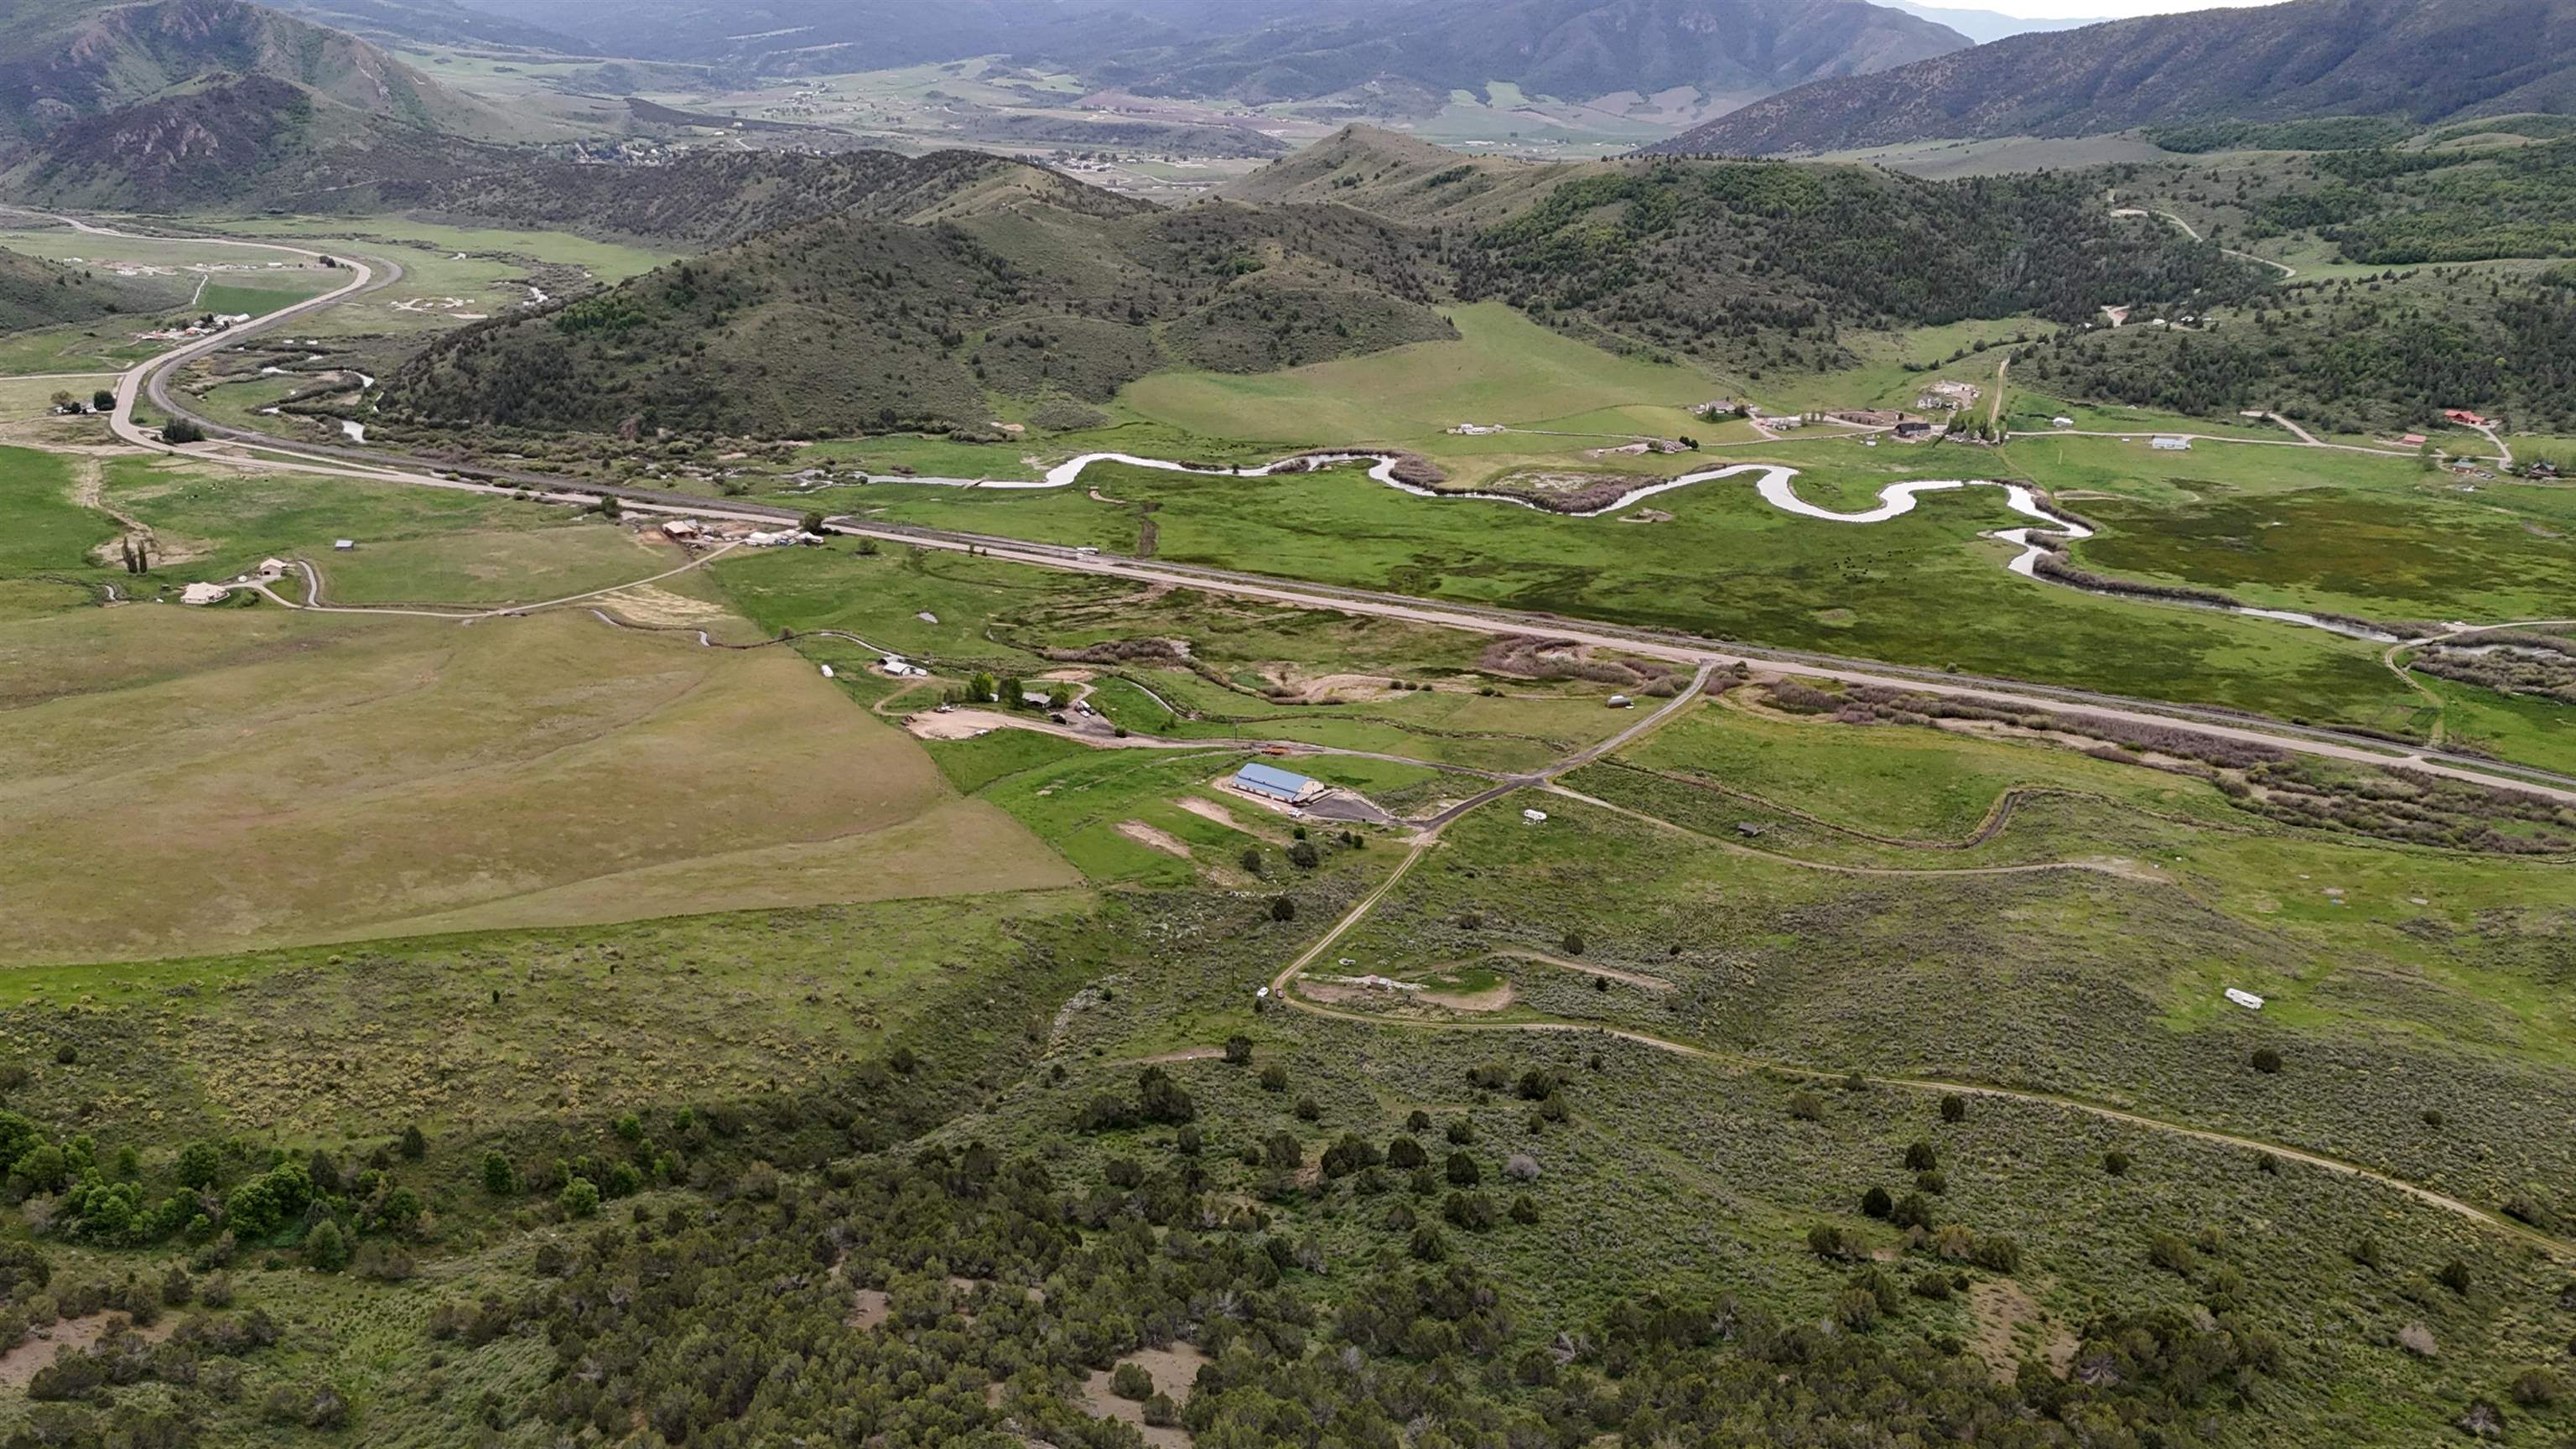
1921,589
331,778
605,261
2304,527
2101,982
77,348
1503,369
414,543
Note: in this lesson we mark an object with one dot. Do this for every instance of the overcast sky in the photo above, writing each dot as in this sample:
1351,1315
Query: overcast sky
2090,9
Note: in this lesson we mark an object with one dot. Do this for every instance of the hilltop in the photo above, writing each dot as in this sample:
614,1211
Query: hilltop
2419,60
848,322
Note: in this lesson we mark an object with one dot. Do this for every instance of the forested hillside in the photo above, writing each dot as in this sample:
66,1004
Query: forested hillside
846,323
2420,60
2348,355
256,142
1025,285
1763,263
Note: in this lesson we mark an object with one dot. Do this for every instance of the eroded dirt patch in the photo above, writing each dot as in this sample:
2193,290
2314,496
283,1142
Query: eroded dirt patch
2002,1308
645,604
1147,835
869,1308
1174,1369
19,1366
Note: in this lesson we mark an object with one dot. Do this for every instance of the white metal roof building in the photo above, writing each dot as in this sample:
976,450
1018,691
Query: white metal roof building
1271,782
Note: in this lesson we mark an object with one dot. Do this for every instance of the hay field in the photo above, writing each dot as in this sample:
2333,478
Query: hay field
284,779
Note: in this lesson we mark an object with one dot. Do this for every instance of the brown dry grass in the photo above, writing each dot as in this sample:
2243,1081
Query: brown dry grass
294,779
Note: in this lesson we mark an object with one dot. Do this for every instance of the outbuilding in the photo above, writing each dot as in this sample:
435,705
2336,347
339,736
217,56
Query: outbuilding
2246,999
1272,783
1621,701
1534,817
202,594
2170,445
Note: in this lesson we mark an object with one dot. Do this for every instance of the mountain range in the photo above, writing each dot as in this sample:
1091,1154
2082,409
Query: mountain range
62,61
1728,50
1413,54
2420,61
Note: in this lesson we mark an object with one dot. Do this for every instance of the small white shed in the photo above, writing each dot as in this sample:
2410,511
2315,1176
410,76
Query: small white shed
2246,999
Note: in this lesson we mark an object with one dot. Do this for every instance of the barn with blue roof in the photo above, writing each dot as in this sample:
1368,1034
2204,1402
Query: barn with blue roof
1272,783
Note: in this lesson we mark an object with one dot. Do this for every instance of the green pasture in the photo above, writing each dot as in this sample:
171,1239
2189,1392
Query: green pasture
1920,589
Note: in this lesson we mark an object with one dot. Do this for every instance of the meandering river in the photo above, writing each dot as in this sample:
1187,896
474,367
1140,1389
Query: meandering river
1776,485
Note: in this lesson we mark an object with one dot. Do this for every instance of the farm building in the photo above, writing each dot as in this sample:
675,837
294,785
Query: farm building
1620,701
2170,445
202,594
1272,783
343,545
2464,417
2246,999
1913,428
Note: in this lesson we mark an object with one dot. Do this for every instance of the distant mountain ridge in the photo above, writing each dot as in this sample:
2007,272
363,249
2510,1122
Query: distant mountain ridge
62,62
2418,60
1416,51
1569,49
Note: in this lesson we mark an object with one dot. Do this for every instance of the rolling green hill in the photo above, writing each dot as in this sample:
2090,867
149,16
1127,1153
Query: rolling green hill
1018,283
38,293
848,323
2420,60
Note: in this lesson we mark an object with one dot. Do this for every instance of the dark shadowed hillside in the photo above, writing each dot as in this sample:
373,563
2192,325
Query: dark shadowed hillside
2420,60
39,293
256,141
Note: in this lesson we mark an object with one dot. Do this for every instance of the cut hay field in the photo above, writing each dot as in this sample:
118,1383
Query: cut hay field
290,778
